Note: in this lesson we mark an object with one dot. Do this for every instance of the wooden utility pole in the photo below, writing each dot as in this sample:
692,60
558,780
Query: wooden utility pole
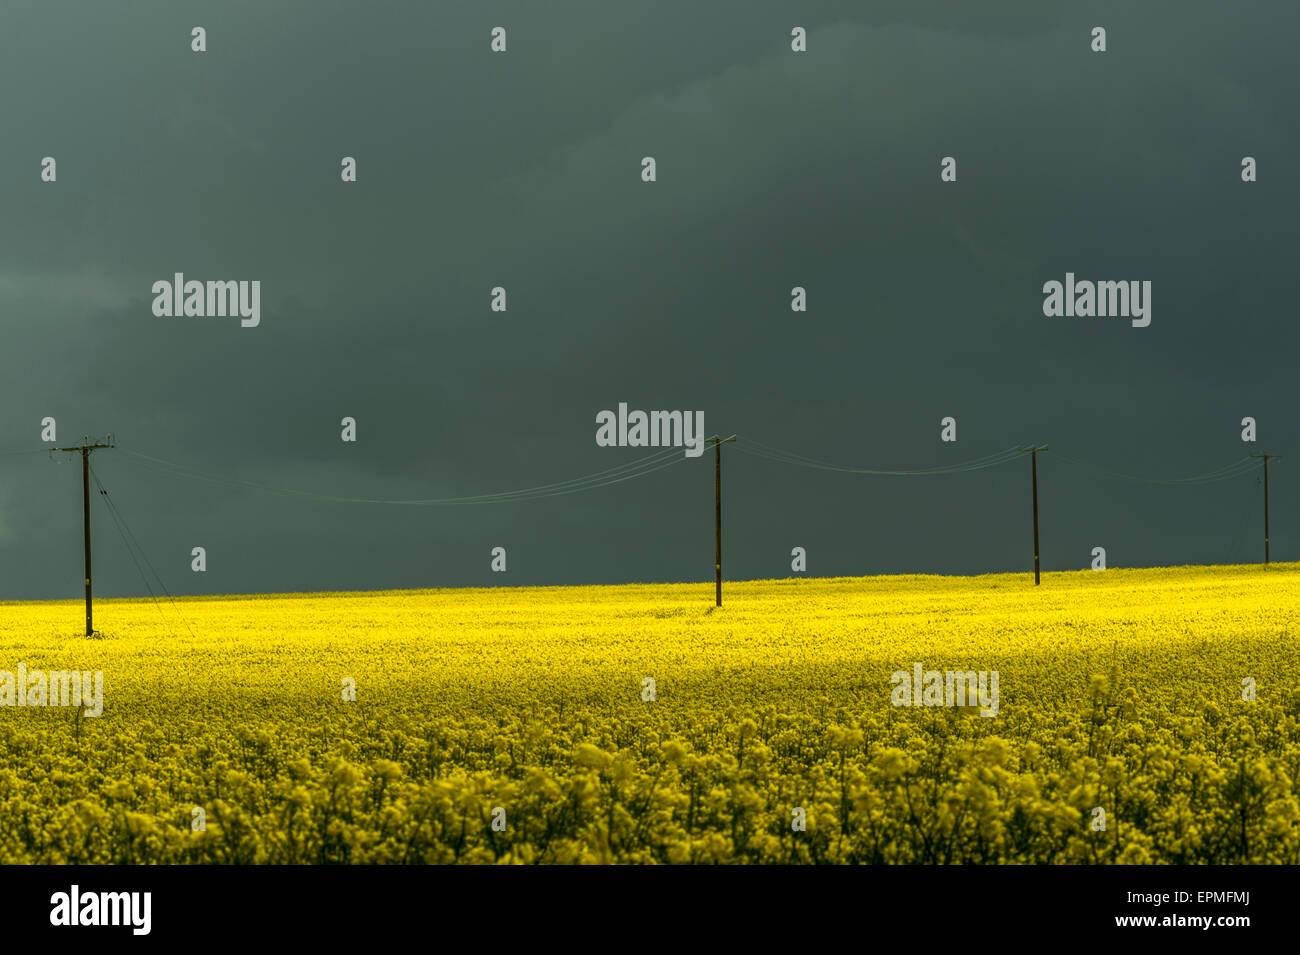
717,443
85,450
1033,457
1266,457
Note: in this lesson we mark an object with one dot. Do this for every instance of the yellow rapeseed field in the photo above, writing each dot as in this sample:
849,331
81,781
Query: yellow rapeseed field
518,725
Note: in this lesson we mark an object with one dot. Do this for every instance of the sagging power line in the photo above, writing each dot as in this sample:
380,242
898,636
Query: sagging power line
1227,472
757,449
132,545
1235,469
651,464
610,476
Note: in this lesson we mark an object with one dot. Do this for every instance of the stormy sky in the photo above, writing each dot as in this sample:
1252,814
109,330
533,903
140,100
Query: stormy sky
523,170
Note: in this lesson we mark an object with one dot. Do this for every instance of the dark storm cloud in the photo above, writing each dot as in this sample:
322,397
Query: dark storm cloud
522,170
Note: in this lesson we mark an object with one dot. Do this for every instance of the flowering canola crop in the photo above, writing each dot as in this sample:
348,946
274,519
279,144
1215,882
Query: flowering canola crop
519,725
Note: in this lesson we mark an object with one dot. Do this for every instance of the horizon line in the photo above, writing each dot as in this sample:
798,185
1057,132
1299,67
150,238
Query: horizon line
709,582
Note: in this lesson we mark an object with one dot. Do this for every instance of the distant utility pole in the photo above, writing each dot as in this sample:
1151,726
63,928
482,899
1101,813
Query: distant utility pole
717,443
1033,457
1266,457
85,450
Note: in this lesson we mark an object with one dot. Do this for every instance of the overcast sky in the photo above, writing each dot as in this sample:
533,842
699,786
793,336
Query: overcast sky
523,169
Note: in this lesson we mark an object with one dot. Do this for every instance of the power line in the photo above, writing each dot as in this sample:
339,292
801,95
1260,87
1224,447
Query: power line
117,523
625,472
652,463
649,464
758,449
1237,468
1228,471
121,519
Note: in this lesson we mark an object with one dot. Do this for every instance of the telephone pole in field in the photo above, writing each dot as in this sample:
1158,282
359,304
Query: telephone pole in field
1033,456
85,449
1266,458
717,443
